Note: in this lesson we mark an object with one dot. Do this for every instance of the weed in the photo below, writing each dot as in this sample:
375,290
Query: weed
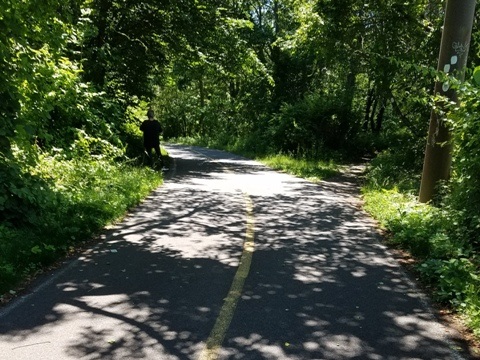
85,195
311,169
437,237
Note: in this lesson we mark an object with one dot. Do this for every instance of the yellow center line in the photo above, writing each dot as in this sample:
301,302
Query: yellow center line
217,335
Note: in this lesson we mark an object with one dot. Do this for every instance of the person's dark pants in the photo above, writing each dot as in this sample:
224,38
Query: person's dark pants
150,157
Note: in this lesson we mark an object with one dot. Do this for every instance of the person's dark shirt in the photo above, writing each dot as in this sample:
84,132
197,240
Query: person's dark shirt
151,132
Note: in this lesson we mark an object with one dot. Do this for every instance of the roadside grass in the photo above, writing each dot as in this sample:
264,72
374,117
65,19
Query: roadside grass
84,195
437,238
310,169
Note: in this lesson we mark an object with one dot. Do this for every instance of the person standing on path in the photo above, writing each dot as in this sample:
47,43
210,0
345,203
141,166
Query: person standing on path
152,129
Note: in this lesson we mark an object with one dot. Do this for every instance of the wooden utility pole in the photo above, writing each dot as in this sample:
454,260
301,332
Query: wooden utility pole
457,31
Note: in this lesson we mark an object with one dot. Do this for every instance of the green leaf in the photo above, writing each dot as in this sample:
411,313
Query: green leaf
36,249
476,75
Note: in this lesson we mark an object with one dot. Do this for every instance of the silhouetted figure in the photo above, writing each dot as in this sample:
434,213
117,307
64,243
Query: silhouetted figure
152,129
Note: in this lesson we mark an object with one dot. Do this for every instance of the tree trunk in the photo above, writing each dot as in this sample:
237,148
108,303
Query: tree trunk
96,65
379,122
201,87
372,115
350,88
368,109
456,36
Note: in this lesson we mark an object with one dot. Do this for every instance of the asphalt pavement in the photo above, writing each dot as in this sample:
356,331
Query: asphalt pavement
230,260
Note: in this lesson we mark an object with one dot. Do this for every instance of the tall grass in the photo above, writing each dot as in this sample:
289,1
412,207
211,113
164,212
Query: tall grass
85,195
447,261
311,169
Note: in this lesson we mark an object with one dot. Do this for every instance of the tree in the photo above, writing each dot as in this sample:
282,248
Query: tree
127,45
456,36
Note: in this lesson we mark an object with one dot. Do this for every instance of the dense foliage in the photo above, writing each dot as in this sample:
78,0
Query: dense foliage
304,78
442,236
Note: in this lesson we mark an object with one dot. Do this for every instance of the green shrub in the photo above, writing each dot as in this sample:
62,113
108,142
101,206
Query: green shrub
471,307
312,125
452,279
385,205
447,260
84,194
394,169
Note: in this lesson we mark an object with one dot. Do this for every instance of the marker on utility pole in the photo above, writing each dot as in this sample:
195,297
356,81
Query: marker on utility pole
456,35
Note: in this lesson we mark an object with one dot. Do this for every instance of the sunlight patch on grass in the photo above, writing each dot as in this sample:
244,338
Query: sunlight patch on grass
313,170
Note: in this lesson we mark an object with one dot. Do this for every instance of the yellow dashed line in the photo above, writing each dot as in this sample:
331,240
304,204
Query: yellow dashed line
217,335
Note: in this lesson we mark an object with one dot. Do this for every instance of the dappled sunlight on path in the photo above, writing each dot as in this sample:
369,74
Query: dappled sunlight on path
320,285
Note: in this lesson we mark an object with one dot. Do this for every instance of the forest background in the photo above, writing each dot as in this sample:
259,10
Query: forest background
316,83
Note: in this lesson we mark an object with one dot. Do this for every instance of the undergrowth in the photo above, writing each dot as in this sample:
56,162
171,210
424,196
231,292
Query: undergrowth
313,170
435,235
78,198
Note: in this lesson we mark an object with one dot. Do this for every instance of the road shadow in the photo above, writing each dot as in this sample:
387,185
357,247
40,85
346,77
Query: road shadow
321,286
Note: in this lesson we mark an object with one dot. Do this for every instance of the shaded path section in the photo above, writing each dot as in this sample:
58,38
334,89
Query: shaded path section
320,285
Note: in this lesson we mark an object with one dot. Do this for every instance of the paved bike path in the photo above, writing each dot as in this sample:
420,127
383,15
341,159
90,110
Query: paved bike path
230,260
